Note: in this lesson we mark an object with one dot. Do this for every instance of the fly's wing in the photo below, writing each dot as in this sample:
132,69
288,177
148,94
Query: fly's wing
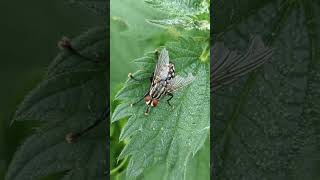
162,64
179,82
227,66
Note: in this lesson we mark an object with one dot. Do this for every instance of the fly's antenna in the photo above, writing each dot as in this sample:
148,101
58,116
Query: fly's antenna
137,102
146,94
65,44
141,79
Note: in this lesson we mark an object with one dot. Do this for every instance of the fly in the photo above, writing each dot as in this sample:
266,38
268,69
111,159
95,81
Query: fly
163,82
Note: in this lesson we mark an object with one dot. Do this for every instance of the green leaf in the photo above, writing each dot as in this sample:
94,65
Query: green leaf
198,167
188,14
266,123
169,136
70,98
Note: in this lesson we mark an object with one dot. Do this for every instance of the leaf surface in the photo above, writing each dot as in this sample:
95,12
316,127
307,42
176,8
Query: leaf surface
187,14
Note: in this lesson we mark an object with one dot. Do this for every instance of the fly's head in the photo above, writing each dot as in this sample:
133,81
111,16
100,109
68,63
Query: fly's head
149,101
154,102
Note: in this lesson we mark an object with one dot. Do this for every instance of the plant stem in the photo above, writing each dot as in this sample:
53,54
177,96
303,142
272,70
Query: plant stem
116,169
205,54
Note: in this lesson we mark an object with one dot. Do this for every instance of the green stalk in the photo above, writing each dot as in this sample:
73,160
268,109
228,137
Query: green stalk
116,169
204,57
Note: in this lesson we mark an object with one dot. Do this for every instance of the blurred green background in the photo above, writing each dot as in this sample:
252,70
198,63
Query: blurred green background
131,37
29,33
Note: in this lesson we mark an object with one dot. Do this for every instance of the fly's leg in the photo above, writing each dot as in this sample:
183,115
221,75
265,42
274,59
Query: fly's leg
73,137
147,111
168,100
157,53
134,78
65,44
139,99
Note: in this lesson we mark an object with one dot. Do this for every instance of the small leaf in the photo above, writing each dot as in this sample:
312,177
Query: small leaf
188,14
180,7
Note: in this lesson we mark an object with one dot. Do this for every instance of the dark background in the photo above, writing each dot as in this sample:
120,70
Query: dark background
265,125
29,32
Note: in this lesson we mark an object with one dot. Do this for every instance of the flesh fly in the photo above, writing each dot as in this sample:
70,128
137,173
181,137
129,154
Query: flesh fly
163,82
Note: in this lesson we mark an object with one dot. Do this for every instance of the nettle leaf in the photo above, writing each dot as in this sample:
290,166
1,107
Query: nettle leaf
197,168
169,136
188,14
70,98
266,123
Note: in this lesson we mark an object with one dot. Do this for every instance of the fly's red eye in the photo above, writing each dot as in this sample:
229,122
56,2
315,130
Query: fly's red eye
147,98
154,103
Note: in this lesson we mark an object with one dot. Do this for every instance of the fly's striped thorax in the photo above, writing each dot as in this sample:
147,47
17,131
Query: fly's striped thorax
171,71
158,90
